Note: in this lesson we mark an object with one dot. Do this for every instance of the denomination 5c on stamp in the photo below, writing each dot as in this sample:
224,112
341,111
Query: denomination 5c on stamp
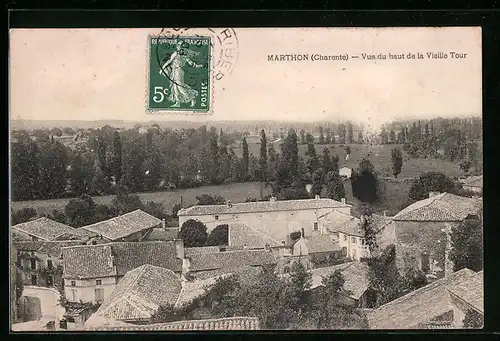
179,74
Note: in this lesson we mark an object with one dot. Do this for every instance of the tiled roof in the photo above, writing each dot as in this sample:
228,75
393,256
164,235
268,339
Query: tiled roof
415,309
243,235
229,323
441,207
321,243
55,248
474,181
355,275
116,259
471,291
231,259
247,275
89,261
28,245
43,228
161,234
261,206
188,251
124,225
140,292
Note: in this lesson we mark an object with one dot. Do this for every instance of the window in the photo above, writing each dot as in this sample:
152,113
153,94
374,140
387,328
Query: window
98,282
353,240
345,237
33,264
354,254
315,226
216,217
50,281
33,280
49,264
99,295
425,262
73,283
34,239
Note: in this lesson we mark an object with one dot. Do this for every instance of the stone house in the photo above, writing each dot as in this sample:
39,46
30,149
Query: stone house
92,272
274,218
423,231
318,250
345,172
41,263
350,234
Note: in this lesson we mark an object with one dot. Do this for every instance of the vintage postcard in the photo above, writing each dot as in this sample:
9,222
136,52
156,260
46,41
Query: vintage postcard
179,179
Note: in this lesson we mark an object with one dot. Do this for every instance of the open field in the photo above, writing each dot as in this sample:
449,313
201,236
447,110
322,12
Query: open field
394,195
235,192
379,155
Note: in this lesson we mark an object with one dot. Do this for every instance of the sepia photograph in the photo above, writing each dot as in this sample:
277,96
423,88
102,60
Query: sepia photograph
210,179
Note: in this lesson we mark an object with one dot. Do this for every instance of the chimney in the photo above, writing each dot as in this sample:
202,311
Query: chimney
163,223
272,199
433,194
267,247
179,248
186,267
342,201
316,197
385,213
303,234
229,204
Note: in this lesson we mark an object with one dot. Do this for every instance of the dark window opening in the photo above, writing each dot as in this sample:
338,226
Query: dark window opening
425,263
315,226
49,264
33,280
98,282
50,281
216,217
33,264
73,283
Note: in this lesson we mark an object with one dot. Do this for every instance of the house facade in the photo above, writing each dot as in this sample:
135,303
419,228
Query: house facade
91,272
350,234
345,172
423,231
320,250
274,218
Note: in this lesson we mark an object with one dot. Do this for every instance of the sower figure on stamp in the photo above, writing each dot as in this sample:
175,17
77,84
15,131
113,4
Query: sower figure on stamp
180,92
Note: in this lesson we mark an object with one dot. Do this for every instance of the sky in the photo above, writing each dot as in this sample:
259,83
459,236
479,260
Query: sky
92,74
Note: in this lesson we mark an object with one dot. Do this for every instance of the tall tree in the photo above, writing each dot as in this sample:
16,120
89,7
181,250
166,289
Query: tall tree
101,155
384,139
80,211
326,161
214,158
117,157
218,236
328,139
312,158
360,137
245,158
349,135
365,183
392,136
321,135
334,186
263,156
397,161
99,185
53,163
302,136
288,168
318,180
133,170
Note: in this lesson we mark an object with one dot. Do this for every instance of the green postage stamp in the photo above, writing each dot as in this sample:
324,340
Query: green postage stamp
179,74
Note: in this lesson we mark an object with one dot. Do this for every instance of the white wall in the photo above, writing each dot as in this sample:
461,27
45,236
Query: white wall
356,250
84,289
275,224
